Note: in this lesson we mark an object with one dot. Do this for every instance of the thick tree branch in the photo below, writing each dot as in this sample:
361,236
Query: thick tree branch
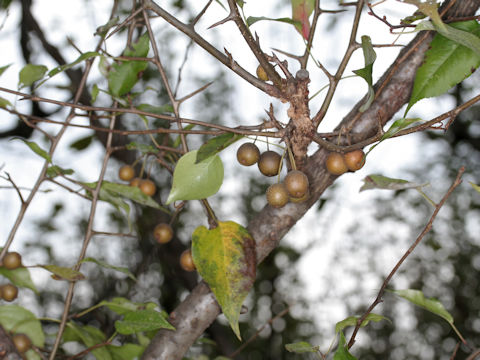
200,309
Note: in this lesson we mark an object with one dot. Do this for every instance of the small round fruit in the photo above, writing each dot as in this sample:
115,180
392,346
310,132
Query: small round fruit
126,173
248,154
22,342
163,233
269,163
148,187
296,183
277,195
186,261
305,197
9,292
261,73
135,182
336,164
12,260
354,159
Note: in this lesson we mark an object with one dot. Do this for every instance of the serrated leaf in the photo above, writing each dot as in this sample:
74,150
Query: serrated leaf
375,181
126,351
4,103
214,145
20,320
342,350
89,336
19,277
225,258
142,320
35,148
31,73
253,19
55,170
418,298
366,72
83,57
352,321
106,265
123,306
122,77
82,143
475,187
301,347
193,181
63,273
446,64
301,11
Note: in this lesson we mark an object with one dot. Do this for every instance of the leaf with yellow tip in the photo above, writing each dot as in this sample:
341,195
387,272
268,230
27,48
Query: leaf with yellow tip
225,258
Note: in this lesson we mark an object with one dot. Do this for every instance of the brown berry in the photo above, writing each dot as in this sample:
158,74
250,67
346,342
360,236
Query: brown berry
135,182
336,164
12,260
296,183
261,73
354,159
277,195
126,173
269,163
22,342
248,154
186,261
148,187
305,197
163,233
9,292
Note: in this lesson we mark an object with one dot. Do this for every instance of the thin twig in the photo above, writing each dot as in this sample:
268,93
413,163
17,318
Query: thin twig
425,231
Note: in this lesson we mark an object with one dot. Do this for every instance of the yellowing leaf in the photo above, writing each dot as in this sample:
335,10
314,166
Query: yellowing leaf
225,258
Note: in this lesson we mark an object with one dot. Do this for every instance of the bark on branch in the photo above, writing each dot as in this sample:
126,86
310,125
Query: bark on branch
393,90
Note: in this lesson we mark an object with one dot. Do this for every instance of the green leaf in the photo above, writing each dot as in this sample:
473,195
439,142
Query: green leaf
81,58
446,64
301,11
225,258
63,273
193,181
301,347
475,187
35,148
3,68
82,143
342,350
105,265
253,19
382,182
142,320
103,29
123,306
94,93
366,73
31,73
126,351
55,170
214,145
352,321
396,127
124,76
143,148
89,336
129,192
18,319
19,277
434,306
4,103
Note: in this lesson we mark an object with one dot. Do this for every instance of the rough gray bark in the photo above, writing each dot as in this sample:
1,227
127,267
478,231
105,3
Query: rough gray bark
200,308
